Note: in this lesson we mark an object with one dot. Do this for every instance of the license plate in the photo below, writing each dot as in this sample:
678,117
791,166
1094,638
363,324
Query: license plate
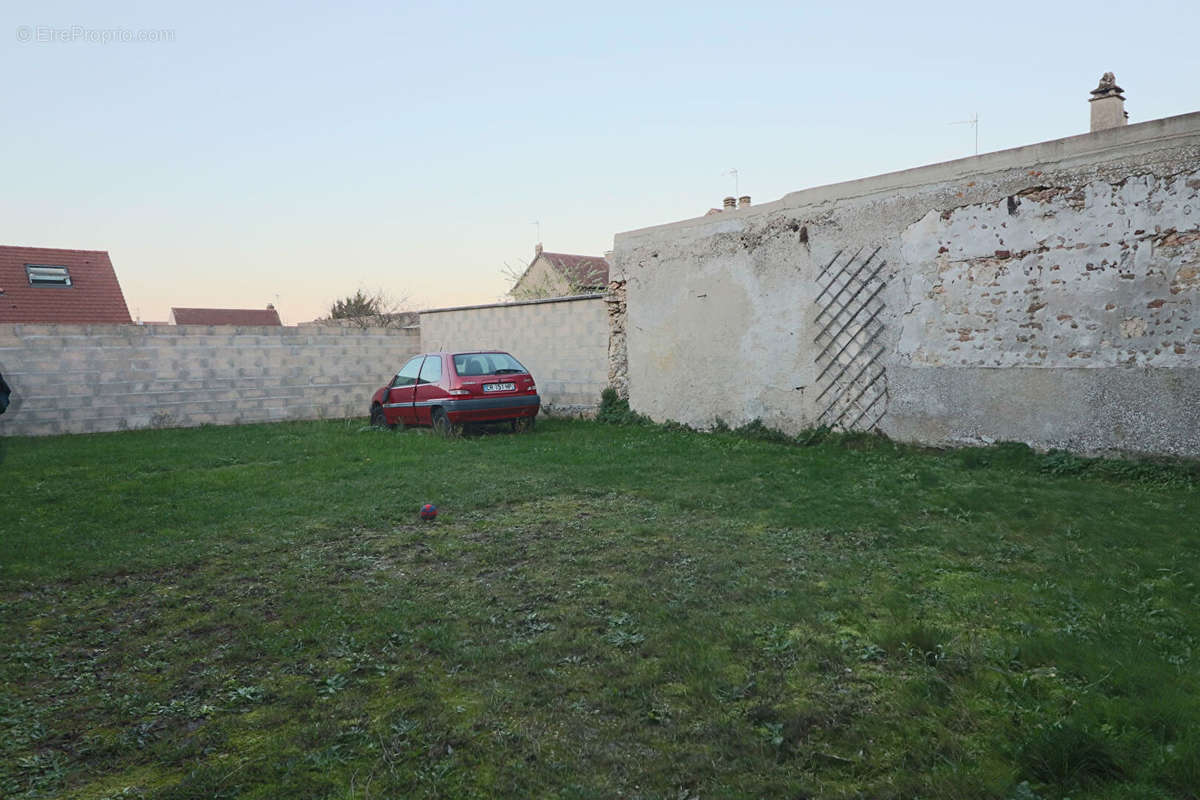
499,387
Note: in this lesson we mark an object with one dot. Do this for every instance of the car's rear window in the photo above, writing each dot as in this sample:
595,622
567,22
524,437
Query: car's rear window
468,364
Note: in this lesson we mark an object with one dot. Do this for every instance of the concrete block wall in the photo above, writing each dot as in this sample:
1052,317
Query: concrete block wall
93,378
1047,294
562,341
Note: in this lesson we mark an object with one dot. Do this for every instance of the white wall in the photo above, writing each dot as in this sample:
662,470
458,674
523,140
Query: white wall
1047,294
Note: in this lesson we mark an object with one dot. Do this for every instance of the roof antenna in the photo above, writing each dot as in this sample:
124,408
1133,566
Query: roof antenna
538,223
973,122
733,171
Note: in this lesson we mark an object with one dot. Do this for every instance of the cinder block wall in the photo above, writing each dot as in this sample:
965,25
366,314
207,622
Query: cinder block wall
562,341
92,378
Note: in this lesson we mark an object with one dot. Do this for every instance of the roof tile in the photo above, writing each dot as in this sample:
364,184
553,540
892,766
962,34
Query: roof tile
94,295
225,316
583,271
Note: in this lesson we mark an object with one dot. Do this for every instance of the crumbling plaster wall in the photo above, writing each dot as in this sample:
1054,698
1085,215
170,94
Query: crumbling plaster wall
1046,294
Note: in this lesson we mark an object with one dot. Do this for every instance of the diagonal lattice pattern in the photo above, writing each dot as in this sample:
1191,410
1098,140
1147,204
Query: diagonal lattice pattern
851,376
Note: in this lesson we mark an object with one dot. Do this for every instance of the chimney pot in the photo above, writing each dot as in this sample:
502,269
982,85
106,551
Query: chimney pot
537,249
270,306
743,201
730,202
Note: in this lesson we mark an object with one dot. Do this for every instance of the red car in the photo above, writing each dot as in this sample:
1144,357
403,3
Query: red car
450,390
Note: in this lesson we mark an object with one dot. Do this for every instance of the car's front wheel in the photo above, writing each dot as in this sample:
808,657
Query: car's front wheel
378,420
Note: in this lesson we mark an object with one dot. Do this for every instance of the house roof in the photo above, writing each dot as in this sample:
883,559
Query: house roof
93,296
225,316
582,271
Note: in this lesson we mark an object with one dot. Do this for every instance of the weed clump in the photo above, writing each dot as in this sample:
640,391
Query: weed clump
755,429
1065,464
614,410
1062,463
810,437
1068,754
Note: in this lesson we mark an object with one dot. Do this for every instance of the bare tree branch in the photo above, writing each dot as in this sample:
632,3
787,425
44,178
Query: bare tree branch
371,309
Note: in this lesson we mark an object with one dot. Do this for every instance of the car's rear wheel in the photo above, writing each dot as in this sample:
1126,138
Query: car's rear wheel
523,424
442,424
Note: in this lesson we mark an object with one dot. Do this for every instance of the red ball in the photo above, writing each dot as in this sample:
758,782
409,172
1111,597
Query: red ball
428,511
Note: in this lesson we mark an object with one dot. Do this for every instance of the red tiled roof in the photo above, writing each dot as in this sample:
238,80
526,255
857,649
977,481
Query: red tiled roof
225,316
583,271
94,295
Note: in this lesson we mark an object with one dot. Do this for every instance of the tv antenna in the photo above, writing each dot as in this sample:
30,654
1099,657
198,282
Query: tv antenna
538,223
974,123
733,171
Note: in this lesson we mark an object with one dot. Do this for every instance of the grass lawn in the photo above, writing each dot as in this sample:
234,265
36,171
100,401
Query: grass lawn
600,611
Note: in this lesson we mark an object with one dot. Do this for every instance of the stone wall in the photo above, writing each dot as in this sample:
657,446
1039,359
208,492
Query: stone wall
562,341
1046,294
90,378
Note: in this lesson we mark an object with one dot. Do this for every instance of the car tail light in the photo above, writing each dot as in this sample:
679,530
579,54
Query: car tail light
460,392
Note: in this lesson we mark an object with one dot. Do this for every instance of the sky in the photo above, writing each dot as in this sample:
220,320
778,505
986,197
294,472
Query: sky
233,154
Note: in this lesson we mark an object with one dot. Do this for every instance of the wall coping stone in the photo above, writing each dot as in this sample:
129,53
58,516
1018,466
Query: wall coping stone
538,301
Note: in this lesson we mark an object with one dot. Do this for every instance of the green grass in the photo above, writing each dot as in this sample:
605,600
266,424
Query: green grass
600,611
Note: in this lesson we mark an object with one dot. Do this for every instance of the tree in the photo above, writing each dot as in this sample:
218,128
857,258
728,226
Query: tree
375,309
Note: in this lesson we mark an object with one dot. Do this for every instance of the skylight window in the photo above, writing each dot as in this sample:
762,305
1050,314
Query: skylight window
47,276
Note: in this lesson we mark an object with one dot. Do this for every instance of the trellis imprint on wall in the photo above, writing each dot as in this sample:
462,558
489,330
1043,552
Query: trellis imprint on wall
852,380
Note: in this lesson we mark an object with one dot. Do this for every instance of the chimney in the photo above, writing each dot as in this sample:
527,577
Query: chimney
537,249
1108,104
744,201
730,203
270,306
